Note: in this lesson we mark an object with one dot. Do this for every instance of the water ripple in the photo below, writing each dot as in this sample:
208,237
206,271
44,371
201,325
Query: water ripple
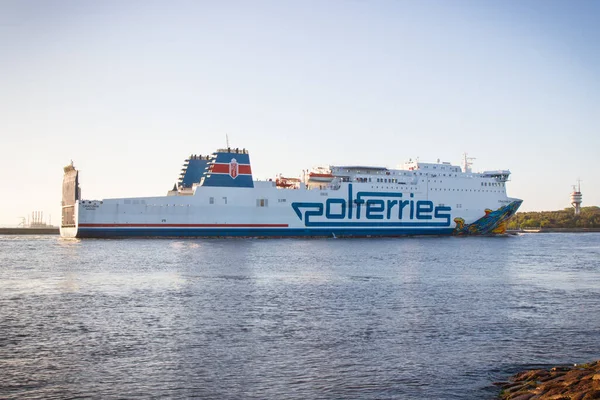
388,318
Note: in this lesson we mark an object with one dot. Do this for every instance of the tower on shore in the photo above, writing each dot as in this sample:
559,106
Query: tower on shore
576,197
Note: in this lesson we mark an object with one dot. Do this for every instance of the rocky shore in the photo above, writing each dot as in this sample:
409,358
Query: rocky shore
577,382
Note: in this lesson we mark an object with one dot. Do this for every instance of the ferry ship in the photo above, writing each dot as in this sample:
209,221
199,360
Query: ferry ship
216,196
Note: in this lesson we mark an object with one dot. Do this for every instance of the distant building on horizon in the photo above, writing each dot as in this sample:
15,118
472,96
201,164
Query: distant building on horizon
577,198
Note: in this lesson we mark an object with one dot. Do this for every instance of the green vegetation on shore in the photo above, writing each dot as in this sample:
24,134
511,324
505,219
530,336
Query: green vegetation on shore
589,218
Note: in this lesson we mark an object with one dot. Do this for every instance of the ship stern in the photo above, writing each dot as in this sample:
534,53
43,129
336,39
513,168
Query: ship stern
70,196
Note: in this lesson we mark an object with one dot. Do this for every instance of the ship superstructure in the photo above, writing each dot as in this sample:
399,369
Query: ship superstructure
217,196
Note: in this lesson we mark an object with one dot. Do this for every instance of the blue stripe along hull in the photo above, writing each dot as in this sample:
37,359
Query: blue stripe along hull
252,232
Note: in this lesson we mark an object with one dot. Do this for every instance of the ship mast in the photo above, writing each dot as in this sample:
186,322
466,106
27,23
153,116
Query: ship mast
467,163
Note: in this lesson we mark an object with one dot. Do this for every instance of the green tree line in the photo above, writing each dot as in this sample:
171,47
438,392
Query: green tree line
589,218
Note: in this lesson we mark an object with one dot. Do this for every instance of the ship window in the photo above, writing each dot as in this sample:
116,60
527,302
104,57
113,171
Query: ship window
225,200
211,200
262,202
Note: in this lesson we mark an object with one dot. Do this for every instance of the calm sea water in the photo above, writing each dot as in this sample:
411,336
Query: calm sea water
412,318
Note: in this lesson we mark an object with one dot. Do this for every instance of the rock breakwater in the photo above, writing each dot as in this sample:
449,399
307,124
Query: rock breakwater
577,382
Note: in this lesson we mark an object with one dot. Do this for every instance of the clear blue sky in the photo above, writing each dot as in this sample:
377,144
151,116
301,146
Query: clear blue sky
128,89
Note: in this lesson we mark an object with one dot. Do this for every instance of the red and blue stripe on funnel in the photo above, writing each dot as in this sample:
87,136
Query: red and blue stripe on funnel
229,169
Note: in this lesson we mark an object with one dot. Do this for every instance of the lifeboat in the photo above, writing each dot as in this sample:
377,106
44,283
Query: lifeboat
320,174
283,182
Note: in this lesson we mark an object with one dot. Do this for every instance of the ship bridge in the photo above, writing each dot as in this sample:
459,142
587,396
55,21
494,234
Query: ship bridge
499,175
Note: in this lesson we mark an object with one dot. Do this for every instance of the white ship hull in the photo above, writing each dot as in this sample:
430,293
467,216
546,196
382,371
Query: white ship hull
360,206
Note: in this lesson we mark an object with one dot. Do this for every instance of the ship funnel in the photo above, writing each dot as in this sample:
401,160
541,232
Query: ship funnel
229,168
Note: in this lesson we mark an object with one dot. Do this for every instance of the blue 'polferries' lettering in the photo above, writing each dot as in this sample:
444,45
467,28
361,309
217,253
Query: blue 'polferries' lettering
374,209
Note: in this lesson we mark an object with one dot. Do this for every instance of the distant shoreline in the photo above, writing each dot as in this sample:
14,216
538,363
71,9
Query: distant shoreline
588,220
553,230
30,231
55,231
